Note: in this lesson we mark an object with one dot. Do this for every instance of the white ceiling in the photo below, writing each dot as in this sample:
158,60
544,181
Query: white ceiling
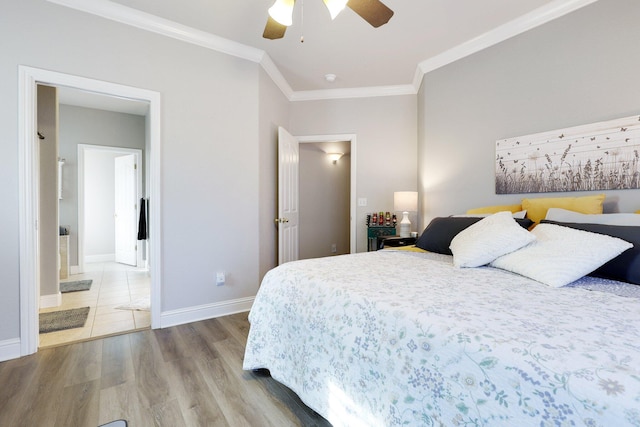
360,55
422,35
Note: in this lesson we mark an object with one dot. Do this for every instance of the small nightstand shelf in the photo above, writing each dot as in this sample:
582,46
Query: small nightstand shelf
395,241
374,233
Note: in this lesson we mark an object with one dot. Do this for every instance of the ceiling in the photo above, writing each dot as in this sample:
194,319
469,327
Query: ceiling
422,35
358,54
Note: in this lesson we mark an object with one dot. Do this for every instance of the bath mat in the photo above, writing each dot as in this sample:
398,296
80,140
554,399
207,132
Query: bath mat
141,304
117,423
78,285
63,319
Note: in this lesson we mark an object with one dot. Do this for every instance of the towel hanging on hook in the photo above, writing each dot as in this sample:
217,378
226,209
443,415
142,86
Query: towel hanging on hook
142,223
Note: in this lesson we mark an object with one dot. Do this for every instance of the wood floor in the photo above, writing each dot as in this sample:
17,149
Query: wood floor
187,375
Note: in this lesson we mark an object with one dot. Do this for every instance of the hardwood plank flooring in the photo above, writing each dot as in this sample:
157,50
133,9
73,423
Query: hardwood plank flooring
187,375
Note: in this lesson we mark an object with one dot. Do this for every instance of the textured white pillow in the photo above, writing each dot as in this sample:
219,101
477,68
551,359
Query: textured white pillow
487,239
561,255
564,215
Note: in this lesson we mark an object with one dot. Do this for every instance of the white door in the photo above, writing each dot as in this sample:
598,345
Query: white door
288,212
126,208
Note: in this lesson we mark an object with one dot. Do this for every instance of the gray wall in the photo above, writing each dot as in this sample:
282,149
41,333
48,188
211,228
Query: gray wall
324,202
79,125
274,112
386,145
209,146
579,69
48,244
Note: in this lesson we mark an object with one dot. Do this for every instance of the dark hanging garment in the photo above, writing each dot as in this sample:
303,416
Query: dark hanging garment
142,223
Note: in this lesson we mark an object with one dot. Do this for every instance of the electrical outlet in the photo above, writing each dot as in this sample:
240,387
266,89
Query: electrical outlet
220,278
333,248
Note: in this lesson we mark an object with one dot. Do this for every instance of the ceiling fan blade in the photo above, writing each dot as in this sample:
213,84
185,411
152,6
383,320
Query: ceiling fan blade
373,11
273,30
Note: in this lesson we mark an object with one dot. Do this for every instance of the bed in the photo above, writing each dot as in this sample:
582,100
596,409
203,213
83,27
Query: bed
400,337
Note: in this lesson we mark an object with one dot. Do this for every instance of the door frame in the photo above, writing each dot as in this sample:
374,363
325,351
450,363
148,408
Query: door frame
28,79
82,150
351,138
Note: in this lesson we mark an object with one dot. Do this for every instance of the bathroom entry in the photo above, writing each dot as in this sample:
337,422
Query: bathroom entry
117,96
110,182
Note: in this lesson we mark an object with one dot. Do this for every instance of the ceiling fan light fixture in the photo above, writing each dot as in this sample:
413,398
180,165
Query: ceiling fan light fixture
282,12
335,6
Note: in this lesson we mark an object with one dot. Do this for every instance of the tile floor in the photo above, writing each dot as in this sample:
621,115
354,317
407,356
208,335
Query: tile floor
113,285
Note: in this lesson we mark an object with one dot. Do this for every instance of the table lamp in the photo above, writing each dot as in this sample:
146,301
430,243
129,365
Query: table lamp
405,202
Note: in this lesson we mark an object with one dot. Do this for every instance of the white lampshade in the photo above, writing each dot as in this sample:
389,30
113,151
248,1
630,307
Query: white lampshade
405,202
282,12
335,6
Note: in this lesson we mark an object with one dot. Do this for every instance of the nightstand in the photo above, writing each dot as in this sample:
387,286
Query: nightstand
395,241
375,232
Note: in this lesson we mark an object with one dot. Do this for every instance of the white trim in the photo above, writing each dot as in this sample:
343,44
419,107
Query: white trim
206,311
155,24
9,349
542,15
146,21
28,186
276,76
53,300
28,200
356,92
351,137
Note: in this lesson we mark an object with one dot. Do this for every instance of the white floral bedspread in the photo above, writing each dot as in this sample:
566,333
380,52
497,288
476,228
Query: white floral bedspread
399,338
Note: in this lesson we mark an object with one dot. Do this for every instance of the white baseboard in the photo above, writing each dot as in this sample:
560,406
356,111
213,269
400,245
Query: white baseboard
100,258
74,269
9,349
53,300
203,312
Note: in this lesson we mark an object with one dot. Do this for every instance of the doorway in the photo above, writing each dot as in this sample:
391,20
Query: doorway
288,189
110,186
324,199
346,144
29,78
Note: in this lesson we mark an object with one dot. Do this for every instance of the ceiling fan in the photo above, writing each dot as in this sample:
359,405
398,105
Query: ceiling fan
281,14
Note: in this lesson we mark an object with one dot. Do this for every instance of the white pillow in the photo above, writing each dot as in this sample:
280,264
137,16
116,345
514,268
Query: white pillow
487,239
561,255
564,215
516,215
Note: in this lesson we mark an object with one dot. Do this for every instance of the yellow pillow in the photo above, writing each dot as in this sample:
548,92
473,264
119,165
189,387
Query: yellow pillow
412,248
494,209
537,208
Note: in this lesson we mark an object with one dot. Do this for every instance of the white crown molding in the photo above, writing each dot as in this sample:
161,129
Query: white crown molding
526,22
145,21
356,92
272,71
